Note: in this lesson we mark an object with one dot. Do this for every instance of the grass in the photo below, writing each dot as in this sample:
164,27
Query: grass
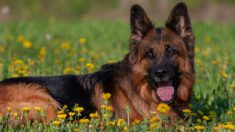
55,47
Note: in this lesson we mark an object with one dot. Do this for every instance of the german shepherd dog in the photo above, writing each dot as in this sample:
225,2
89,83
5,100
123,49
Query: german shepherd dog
158,68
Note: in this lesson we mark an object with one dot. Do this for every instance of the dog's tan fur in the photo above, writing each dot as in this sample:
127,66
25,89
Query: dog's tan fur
17,96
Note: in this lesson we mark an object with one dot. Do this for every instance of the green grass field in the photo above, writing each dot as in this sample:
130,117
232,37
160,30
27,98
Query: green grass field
54,48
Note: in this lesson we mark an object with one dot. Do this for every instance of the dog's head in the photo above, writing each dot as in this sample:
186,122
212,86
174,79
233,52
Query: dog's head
163,57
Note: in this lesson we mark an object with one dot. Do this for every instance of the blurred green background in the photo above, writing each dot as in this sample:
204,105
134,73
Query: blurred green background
206,10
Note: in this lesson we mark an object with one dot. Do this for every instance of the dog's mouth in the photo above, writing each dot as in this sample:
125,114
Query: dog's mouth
165,88
165,91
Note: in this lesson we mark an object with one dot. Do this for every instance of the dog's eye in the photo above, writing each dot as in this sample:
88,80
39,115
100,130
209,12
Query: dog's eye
172,52
149,55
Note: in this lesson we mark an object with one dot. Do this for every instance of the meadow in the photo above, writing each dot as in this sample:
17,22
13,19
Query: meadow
54,47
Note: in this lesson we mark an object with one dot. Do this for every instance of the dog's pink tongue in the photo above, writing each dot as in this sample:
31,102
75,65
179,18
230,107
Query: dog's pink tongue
165,92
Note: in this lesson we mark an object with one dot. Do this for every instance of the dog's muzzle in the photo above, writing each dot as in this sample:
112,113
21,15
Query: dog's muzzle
163,86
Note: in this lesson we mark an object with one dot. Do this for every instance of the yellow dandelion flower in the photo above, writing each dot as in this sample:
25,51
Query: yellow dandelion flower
65,45
109,108
136,122
61,116
21,72
153,119
198,120
125,129
37,108
25,67
68,70
15,114
102,106
20,39
90,66
31,61
81,60
120,122
15,75
182,128
71,113
153,125
94,115
224,75
42,52
206,118
106,115
234,108
79,109
27,44
106,96
84,121
228,125
56,123
214,62
2,49
75,130
26,109
229,112
163,108
199,127
18,62
187,111
65,107
216,128
110,123
60,112
82,41
231,86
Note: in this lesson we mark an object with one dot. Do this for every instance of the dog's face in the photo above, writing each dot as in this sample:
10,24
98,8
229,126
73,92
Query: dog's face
163,57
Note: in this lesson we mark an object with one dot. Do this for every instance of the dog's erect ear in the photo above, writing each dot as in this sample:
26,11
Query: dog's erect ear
179,22
140,24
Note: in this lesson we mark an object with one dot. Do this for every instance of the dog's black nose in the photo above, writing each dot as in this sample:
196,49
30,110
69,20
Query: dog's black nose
160,73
